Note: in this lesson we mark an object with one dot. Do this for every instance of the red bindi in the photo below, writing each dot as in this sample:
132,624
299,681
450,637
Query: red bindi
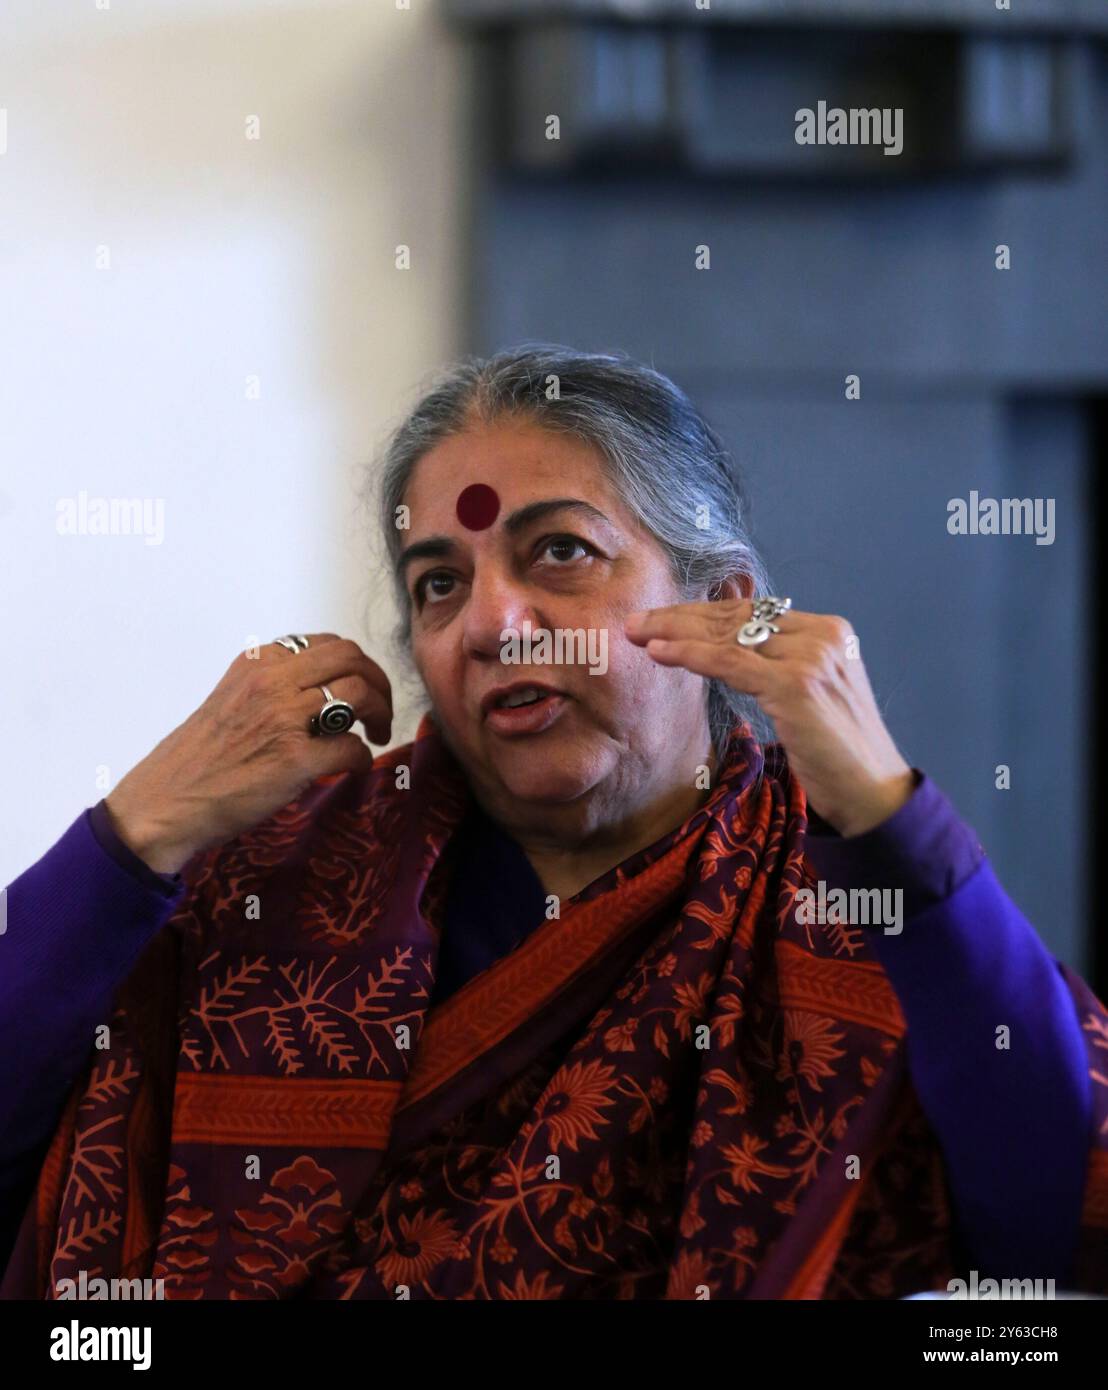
478,506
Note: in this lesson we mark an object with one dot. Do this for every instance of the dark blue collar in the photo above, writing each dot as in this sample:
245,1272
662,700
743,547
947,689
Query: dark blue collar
494,901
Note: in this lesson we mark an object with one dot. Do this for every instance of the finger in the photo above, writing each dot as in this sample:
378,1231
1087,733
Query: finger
341,753
741,668
719,622
819,644
366,700
340,657
826,635
314,639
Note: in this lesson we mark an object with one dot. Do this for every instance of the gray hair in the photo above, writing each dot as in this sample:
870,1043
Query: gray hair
663,459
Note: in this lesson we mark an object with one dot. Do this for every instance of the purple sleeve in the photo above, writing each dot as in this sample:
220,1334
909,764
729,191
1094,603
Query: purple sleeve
100,821
77,920
925,848
1013,1123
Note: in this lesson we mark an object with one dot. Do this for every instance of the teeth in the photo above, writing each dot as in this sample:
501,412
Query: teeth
520,697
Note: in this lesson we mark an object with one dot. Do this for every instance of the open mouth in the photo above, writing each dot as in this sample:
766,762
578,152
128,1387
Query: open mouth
515,698
525,709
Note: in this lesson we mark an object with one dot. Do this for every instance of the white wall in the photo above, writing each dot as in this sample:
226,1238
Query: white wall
126,129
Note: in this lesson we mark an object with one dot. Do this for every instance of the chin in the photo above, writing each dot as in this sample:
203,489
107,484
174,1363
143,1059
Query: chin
529,771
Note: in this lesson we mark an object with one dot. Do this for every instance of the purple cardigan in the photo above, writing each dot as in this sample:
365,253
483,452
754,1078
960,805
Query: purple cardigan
966,961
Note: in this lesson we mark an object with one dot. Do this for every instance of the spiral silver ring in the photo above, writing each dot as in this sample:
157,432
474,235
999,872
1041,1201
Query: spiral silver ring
761,626
335,717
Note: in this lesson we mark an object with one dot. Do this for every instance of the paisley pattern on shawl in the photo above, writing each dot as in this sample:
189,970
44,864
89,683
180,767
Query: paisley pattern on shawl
673,1090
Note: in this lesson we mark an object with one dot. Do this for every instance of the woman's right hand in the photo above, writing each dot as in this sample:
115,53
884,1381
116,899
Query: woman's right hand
247,750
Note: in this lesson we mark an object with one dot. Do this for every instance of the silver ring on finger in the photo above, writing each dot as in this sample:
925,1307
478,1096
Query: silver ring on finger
293,644
761,627
769,608
335,717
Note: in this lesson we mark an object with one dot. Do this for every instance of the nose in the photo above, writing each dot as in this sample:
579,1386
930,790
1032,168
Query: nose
497,600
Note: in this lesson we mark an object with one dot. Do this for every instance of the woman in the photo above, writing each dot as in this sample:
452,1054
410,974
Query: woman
548,1003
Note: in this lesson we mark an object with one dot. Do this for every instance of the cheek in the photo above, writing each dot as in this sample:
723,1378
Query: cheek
636,677
431,664
437,665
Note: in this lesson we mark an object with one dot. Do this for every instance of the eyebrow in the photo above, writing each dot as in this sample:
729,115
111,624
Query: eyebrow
437,547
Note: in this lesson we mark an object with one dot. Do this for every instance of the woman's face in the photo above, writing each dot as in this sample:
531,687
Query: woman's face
562,553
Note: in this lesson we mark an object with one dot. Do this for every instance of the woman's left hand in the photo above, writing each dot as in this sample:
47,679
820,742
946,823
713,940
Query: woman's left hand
810,680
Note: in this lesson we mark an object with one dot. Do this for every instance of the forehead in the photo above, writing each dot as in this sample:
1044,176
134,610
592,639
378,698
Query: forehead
519,460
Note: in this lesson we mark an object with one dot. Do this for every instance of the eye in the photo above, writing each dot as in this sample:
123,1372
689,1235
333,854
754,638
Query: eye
562,543
420,588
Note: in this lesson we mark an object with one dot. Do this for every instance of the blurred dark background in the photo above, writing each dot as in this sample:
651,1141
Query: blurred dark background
677,132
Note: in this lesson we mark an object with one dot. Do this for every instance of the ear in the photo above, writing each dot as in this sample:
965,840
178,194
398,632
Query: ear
739,585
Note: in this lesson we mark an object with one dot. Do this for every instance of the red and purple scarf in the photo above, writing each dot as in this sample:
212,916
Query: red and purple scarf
656,1095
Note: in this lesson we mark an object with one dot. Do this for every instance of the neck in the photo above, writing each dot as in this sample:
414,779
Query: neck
566,862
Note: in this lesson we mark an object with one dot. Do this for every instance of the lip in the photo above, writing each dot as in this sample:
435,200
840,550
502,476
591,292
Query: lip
501,692
524,719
